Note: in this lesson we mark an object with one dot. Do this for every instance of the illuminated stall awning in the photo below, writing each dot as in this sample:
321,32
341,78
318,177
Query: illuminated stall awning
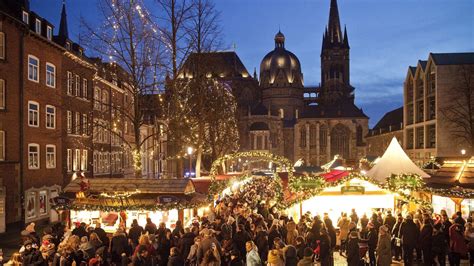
335,175
455,175
132,194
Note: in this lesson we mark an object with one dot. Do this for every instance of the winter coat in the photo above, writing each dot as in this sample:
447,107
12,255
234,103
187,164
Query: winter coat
119,245
271,236
33,257
389,221
138,260
300,251
325,250
426,235
439,243
252,258
384,251
373,238
409,233
276,258
236,262
292,233
343,225
205,245
175,260
192,255
185,243
457,243
353,255
290,256
240,238
135,233
150,228
261,241
306,261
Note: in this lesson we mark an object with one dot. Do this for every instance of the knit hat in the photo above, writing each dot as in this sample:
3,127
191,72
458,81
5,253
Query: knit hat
30,228
308,252
354,234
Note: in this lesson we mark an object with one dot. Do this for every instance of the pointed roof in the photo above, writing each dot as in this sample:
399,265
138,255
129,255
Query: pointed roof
334,26
394,161
63,31
346,39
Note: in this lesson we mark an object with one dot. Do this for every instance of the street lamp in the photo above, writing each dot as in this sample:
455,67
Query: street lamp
463,152
190,153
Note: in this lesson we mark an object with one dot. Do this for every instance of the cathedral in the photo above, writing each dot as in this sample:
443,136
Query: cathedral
279,114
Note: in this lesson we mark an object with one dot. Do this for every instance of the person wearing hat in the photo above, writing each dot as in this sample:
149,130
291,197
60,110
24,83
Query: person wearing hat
384,248
307,259
31,256
409,234
353,255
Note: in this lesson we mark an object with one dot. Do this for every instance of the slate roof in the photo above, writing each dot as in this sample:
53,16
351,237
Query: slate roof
226,63
393,118
412,69
333,111
453,58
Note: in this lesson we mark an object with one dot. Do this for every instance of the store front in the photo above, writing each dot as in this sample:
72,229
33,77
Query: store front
38,205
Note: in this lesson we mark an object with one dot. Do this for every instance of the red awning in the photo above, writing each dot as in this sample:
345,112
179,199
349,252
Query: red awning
335,175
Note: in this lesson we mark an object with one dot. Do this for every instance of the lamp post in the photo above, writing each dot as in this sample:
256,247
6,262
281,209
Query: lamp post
463,152
190,153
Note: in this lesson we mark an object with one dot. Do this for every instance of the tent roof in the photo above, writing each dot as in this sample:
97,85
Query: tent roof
394,161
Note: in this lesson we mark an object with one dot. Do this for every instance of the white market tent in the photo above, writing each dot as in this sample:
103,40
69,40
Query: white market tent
394,161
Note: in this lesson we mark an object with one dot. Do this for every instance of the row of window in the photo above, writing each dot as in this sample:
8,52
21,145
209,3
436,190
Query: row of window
76,160
74,85
422,137
106,162
101,99
34,156
49,29
34,117
77,123
34,69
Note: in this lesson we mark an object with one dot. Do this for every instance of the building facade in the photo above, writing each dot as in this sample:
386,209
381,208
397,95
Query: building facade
279,114
379,137
430,89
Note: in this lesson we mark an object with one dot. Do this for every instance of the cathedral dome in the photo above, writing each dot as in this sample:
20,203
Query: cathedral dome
280,67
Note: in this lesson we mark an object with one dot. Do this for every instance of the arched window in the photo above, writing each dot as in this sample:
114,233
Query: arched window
312,136
105,100
340,137
303,137
359,135
323,140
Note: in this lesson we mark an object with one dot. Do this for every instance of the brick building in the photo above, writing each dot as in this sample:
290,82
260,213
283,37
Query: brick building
430,88
61,115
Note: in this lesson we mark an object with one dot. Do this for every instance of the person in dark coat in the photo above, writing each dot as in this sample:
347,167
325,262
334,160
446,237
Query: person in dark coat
80,231
102,234
459,220
134,233
396,239
325,251
389,220
439,246
235,259
32,256
272,234
261,241
240,238
372,242
290,256
185,242
457,244
409,234
426,239
150,227
118,246
353,254
175,258
141,258
300,247
164,247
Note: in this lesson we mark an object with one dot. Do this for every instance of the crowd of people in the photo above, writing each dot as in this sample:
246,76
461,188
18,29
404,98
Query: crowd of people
245,229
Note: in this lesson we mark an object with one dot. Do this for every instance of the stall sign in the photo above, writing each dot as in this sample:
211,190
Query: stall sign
60,200
166,199
352,190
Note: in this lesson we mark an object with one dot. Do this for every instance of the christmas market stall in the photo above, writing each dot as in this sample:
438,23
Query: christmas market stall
113,202
452,186
390,184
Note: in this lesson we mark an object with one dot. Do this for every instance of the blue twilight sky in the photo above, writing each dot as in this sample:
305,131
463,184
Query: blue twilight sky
385,36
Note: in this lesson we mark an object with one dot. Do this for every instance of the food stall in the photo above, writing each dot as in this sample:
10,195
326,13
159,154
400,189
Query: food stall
114,202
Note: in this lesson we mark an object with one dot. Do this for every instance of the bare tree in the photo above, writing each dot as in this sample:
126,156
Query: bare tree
459,112
127,37
204,31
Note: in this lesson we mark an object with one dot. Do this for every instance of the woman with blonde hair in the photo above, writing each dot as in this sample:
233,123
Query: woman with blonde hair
15,260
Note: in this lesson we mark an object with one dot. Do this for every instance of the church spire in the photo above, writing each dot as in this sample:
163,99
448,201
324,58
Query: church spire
334,26
346,40
63,31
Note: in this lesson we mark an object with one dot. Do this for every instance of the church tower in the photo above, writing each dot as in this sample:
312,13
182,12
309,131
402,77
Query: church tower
335,76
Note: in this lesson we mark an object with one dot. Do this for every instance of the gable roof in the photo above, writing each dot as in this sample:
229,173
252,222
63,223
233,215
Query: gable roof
219,64
412,70
393,119
453,58
394,161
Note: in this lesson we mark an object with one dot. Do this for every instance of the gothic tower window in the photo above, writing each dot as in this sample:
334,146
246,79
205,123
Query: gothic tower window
303,137
312,136
323,140
340,136
360,140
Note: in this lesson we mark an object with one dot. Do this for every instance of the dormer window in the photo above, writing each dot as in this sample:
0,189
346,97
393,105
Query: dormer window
26,17
49,32
38,26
